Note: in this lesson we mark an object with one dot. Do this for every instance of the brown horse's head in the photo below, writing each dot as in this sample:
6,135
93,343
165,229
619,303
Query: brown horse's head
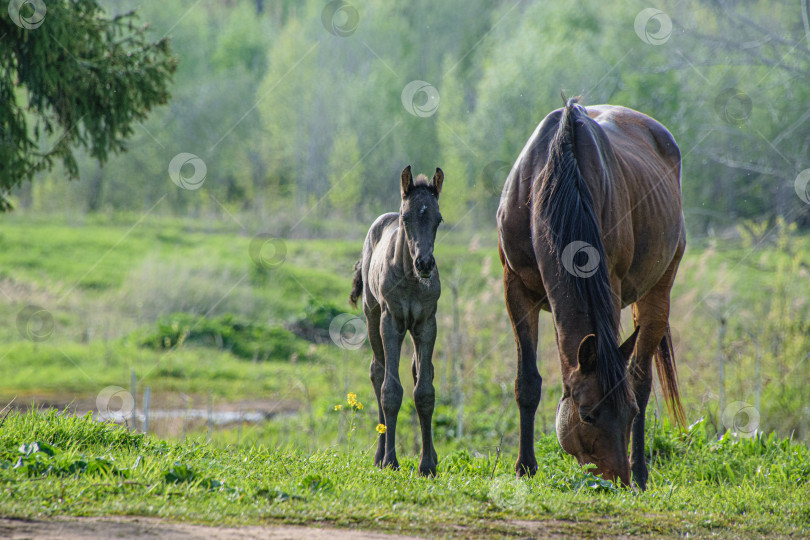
590,427
420,217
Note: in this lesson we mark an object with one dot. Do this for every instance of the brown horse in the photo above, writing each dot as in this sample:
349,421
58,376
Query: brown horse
399,281
590,221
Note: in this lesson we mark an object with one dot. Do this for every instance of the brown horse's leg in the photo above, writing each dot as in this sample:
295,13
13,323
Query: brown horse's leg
424,395
377,373
651,314
523,307
393,332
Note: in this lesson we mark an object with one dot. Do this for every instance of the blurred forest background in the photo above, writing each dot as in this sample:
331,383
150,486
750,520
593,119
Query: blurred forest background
296,107
304,112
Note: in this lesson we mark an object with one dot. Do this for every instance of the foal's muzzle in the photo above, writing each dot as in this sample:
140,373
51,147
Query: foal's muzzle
424,265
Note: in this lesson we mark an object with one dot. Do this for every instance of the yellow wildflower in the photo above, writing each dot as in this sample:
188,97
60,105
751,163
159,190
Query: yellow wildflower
338,407
358,405
380,428
351,398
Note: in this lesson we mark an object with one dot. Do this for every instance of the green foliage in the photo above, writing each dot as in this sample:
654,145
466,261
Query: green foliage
242,41
346,174
296,124
80,79
313,325
180,473
43,459
584,480
227,332
315,483
753,487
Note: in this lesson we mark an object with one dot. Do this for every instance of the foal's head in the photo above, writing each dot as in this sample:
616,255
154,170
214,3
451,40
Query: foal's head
419,217
590,427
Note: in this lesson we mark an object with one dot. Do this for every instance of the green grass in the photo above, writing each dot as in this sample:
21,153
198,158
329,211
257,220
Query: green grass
698,485
40,369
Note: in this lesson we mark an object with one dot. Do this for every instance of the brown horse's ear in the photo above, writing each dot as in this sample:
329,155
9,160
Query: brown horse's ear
586,355
438,180
629,344
407,180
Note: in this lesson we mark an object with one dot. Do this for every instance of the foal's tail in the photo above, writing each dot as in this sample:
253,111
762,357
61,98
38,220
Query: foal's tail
357,284
668,377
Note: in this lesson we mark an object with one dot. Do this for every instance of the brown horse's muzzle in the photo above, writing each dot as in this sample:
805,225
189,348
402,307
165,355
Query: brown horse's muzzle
616,473
584,441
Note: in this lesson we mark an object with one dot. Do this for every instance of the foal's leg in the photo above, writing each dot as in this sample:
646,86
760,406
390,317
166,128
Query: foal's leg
377,372
523,307
651,314
424,395
393,332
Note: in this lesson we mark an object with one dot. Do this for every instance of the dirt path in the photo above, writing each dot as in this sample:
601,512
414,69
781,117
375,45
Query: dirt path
137,528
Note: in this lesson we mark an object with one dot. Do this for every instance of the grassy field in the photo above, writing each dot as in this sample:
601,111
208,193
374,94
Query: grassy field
207,313
52,464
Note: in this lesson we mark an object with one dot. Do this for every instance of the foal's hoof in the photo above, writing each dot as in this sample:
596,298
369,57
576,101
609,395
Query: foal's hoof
390,464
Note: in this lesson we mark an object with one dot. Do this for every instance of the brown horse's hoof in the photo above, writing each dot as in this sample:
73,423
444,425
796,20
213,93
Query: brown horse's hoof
525,469
390,464
640,477
427,469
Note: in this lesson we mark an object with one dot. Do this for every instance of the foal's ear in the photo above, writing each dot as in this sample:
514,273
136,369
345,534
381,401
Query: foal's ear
629,345
407,180
438,180
586,355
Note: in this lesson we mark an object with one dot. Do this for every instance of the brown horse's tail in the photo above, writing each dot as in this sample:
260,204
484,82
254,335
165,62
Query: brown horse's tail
668,377
357,284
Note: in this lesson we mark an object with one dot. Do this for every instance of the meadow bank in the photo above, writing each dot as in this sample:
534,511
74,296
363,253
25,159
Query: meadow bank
53,464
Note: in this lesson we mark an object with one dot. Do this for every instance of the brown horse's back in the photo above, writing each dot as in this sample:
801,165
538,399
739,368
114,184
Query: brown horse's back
636,213
650,165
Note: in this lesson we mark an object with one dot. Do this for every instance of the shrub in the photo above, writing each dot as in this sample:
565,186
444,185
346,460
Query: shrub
226,332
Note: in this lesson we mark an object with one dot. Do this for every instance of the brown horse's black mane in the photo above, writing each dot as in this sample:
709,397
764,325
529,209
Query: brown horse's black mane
565,204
